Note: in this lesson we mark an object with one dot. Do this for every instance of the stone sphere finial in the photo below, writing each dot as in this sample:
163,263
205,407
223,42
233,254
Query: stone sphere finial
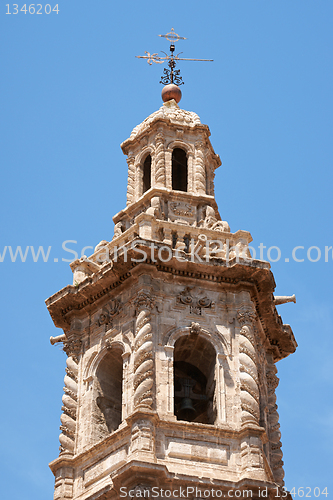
171,91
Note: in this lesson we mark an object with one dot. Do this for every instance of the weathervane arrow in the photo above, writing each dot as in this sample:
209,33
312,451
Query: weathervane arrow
171,75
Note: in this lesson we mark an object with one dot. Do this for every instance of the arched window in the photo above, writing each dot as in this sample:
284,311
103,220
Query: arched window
109,377
194,380
179,170
146,174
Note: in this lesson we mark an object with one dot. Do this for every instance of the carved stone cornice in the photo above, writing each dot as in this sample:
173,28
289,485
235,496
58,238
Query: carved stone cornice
256,277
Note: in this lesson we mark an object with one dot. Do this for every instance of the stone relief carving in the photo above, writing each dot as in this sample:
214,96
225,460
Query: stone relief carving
155,208
182,209
248,367
195,328
211,222
72,347
196,304
119,228
143,351
108,312
246,316
182,213
144,300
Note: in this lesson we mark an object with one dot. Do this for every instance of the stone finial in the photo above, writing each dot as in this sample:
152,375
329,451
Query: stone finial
171,91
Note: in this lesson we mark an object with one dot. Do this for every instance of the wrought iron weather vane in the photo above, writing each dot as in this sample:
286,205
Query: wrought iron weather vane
170,75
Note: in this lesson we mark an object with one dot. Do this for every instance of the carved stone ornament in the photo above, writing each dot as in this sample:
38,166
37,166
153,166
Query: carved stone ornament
108,343
169,111
246,316
144,300
72,347
109,311
196,304
103,319
185,296
211,222
195,328
119,229
182,209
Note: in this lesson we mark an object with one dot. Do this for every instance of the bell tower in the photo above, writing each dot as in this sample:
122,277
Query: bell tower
172,336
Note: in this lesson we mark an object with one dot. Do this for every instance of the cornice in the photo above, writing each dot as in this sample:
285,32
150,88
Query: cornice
73,301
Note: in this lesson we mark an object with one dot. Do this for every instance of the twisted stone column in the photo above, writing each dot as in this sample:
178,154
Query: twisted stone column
69,408
275,444
200,170
69,399
248,368
130,181
143,353
160,179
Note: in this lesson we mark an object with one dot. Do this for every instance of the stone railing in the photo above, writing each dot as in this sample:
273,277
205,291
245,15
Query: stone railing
220,244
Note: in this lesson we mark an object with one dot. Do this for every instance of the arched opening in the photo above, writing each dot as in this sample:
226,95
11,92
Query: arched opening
194,380
179,170
146,174
109,378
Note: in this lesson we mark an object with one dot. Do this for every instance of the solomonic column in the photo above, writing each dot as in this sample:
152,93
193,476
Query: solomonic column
248,367
69,399
131,180
200,169
160,162
275,451
143,352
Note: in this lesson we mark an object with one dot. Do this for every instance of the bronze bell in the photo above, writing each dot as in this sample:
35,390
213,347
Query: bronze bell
186,410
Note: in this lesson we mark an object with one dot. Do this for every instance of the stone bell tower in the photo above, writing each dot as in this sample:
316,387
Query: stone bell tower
172,336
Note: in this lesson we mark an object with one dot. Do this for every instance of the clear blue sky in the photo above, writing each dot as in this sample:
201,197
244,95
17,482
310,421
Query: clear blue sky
71,91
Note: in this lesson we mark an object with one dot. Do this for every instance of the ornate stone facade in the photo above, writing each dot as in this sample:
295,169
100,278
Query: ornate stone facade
172,336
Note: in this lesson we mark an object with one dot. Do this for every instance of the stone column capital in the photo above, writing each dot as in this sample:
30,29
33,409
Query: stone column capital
246,316
144,300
